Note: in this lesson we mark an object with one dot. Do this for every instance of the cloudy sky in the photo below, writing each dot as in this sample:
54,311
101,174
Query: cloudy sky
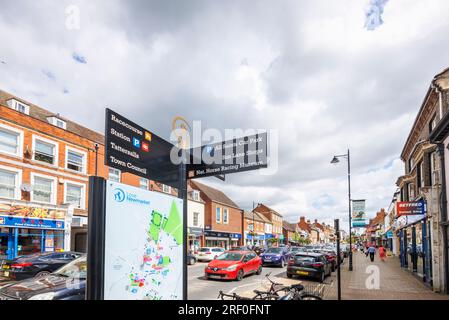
315,71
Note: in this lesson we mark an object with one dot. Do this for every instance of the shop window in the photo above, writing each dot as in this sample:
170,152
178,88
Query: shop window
143,183
74,195
114,174
10,141
75,160
43,190
9,184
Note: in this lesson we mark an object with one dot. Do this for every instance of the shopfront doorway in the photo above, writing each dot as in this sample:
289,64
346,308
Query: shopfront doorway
4,240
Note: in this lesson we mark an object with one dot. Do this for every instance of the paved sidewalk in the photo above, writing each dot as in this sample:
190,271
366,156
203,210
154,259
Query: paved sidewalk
394,282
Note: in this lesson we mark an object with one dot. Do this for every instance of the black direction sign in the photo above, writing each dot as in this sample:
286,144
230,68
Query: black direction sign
131,148
237,155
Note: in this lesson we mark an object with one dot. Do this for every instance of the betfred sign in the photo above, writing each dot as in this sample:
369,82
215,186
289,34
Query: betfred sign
410,208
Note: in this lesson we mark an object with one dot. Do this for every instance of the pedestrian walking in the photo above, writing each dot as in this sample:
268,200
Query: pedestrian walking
382,253
371,251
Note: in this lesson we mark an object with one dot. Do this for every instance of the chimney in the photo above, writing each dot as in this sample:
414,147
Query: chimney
316,220
302,219
308,221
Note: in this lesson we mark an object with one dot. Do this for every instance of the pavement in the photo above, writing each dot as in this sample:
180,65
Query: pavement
381,281
202,289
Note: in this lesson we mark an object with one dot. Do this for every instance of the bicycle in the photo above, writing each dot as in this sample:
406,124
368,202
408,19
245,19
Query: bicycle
234,296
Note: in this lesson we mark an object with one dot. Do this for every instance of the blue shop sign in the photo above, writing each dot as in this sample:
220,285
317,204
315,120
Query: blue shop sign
35,223
257,237
269,235
389,234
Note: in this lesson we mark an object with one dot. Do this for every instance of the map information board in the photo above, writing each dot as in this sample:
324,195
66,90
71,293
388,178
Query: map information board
143,244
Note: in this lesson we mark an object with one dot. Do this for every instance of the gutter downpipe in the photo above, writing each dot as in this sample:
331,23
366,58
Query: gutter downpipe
443,208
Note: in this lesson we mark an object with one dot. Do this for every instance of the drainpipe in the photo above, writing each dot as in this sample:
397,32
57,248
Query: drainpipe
443,209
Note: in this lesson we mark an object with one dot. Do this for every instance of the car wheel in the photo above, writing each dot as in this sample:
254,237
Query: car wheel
289,275
322,277
42,274
259,270
192,261
239,275
282,263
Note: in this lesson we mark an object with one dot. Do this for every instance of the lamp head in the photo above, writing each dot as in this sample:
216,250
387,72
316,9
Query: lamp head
335,160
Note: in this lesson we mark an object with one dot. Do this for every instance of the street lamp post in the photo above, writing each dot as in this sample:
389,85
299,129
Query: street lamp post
336,160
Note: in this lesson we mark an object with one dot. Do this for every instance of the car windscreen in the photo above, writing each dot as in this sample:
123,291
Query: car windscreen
305,258
274,250
77,269
230,256
204,250
294,249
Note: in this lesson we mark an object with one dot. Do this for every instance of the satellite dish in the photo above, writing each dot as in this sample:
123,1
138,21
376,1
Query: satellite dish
25,187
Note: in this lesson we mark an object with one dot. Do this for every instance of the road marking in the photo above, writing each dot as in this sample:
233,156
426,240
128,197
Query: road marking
243,285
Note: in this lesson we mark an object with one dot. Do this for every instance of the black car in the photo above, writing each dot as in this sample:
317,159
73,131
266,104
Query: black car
66,283
309,264
36,265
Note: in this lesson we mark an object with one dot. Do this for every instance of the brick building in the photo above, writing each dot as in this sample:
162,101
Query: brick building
424,239
254,228
223,219
45,163
274,217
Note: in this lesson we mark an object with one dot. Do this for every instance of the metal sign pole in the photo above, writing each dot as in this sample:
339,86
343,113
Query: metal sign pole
183,195
96,238
337,233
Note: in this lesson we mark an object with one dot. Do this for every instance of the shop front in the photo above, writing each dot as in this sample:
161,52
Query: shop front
220,239
26,230
256,239
194,235
415,246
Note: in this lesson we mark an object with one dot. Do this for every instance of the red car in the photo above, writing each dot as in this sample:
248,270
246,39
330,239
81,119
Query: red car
233,265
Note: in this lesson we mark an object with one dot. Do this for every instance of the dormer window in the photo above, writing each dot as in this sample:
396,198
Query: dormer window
18,106
57,122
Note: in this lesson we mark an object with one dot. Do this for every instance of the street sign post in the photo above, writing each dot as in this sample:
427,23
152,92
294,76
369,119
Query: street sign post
231,156
136,150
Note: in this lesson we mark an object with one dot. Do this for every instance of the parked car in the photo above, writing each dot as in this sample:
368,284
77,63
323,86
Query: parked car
66,283
191,259
234,265
309,264
275,256
208,253
36,265
294,250
242,248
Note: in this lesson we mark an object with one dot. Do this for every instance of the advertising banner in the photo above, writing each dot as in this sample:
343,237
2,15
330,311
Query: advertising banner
358,209
410,208
143,244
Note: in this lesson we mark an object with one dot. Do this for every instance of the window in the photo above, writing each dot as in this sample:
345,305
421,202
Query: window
10,141
9,183
411,192
74,194
434,173
143,183
166,189
75,160
225,215
18,106
196,195
44,152
218,214
196,216
43,189
421,182
57,122
433,123
114,174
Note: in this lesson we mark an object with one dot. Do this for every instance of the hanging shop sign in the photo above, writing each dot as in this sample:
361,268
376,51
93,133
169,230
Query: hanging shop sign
237,155
410,208
131,148
146,261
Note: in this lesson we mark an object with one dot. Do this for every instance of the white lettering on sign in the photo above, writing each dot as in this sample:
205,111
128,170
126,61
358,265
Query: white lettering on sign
120,135
126,125
125,151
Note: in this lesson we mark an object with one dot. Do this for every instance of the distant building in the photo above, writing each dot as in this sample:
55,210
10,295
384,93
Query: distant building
274,217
